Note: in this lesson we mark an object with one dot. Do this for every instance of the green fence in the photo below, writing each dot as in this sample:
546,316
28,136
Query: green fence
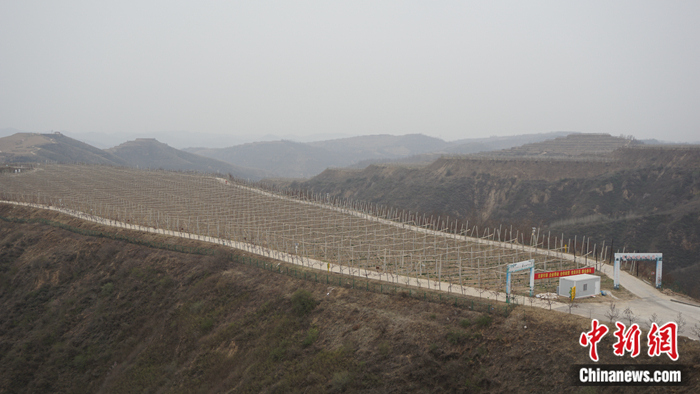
338,280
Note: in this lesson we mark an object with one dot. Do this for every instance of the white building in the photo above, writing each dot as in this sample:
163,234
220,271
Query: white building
586,285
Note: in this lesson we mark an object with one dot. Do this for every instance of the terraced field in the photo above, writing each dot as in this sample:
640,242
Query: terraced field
355,235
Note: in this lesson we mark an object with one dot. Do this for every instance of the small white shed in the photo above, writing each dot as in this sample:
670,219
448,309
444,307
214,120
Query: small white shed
586,285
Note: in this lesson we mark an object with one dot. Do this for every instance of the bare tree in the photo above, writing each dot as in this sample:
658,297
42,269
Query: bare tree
629,315
548,300
572,303
494,293
696,330
531,300
612,313
653,319
681,322
482,290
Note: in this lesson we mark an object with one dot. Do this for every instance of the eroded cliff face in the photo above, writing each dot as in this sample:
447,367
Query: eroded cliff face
493,197
651,208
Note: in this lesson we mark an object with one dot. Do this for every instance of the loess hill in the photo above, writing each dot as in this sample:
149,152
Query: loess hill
642,198
89,314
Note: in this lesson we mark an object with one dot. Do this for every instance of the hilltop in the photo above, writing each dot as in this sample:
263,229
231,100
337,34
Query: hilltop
92,314
143,153
56,147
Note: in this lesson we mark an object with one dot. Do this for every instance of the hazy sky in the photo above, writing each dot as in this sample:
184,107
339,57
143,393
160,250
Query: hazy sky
448,69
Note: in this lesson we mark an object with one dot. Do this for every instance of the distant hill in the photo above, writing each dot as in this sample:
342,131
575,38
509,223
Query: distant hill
149,153
282,158
465,146
383,146
573,145
476,145
303,160
55,147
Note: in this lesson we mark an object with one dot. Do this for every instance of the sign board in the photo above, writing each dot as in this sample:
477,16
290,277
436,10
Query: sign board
556,274
521,265
638,256
658,257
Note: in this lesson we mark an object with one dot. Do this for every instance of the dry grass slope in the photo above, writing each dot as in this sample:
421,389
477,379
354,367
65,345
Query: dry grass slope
85,315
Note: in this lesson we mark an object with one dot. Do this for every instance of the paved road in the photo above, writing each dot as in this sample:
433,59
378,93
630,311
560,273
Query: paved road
650,300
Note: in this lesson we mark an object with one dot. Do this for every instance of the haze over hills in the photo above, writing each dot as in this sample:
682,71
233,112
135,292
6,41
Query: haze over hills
281,158
294,160
149,153
181,139
465,146
297,160
382,146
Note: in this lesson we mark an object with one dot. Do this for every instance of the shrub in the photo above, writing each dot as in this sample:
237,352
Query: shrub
384,348
196,307
455,337
166,282
484,320
303,302
279,353
341,380
311,337
107,289
79,362
206,324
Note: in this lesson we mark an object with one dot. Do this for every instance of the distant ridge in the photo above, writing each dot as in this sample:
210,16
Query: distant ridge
303,160
282,158
149,153
572,145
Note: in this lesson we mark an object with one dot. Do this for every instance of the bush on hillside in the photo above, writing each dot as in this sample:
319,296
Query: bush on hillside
303,302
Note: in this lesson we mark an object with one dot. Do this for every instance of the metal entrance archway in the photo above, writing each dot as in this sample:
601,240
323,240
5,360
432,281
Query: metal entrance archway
637,257
515,267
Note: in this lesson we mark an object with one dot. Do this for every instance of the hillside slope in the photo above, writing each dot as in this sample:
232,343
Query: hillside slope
84,314
149,153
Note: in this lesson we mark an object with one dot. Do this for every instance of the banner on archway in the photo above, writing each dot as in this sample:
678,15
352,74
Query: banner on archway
557,274
637,257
